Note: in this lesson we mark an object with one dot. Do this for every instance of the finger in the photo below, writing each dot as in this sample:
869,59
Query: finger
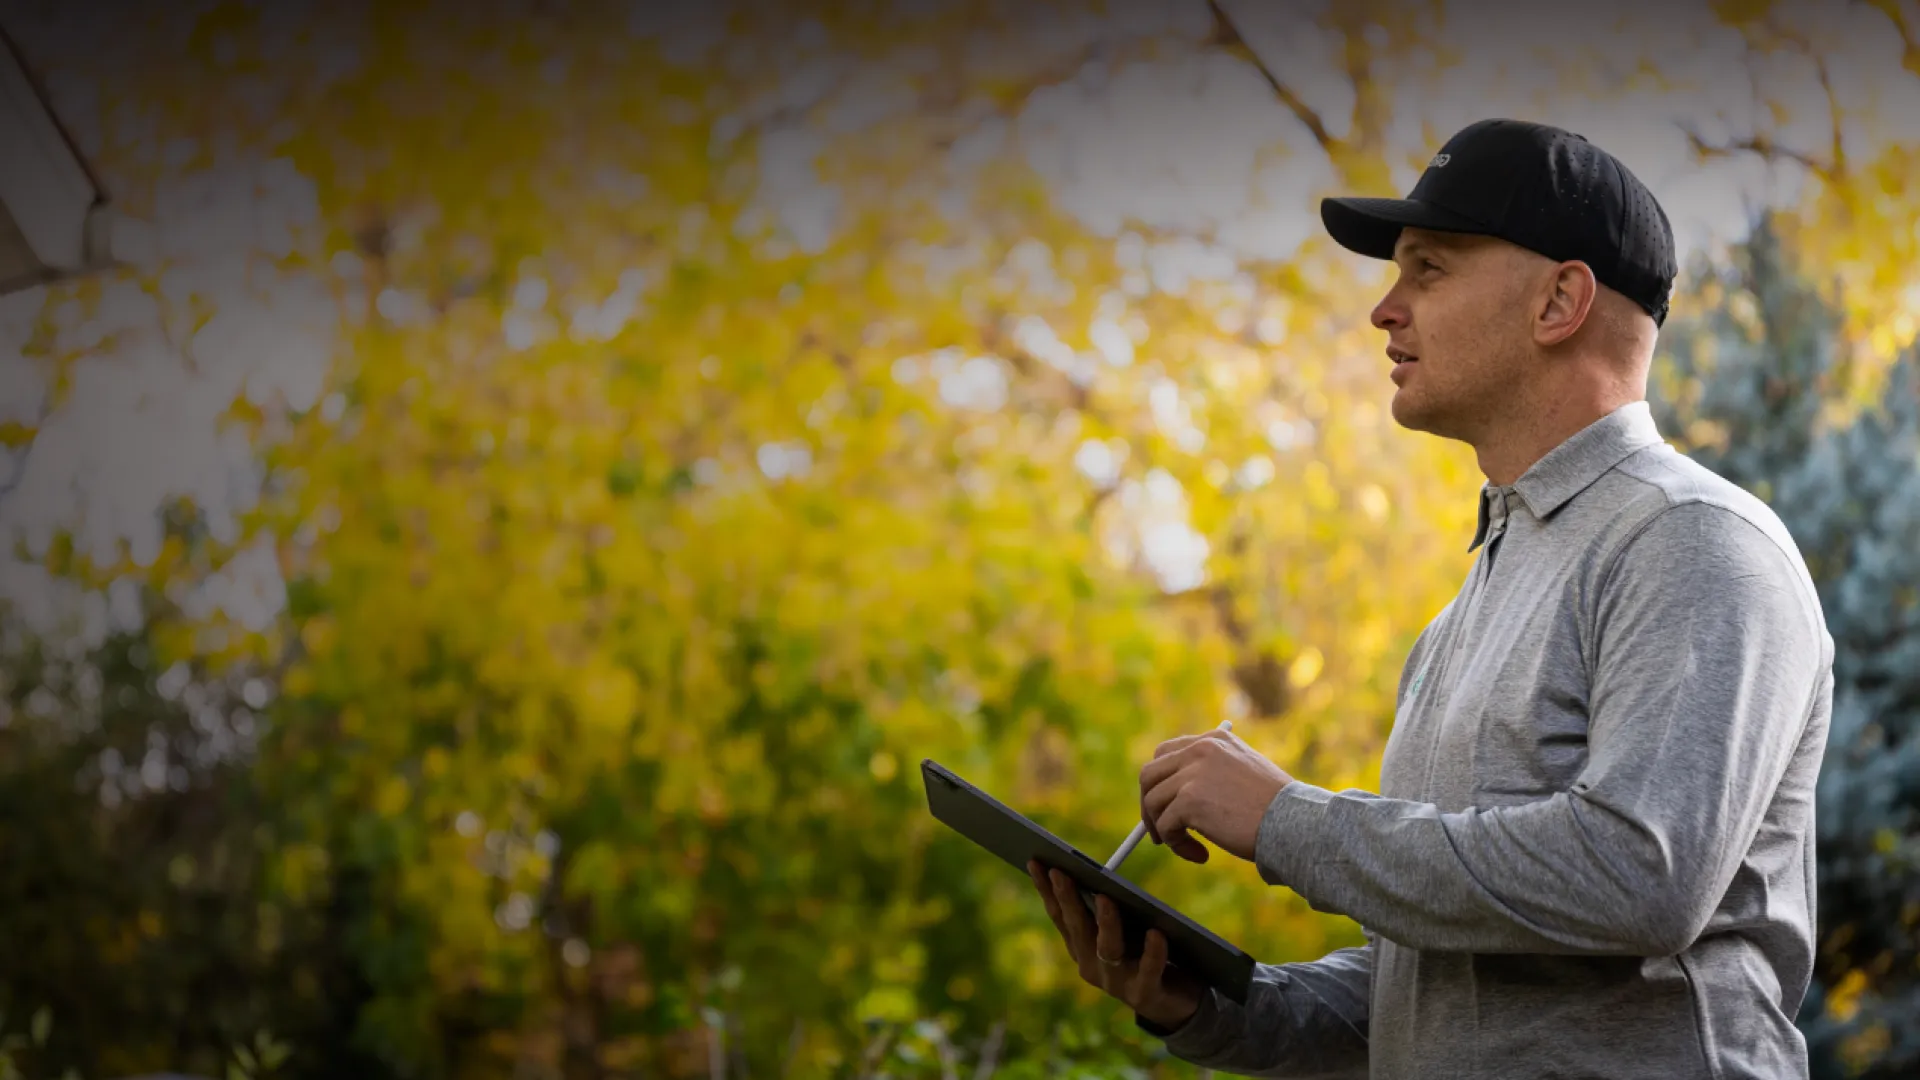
1152,967
1038,874
1181,742
1166,760
1073,914
1165,765
1110,941
1152,776
1174,824
1053,913
1187,845
1166,819
1153,804
1177,743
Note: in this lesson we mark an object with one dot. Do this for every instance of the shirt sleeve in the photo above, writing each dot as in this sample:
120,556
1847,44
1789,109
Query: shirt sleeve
1305,1021
1708,653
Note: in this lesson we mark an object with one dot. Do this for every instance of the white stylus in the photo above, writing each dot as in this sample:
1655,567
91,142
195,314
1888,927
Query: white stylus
1140,831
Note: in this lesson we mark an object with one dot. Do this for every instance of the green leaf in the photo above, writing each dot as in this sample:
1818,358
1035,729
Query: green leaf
42,1025
235,1072
246,1057
623,478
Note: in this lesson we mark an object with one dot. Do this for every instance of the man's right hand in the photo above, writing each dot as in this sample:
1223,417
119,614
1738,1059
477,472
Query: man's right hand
1166,996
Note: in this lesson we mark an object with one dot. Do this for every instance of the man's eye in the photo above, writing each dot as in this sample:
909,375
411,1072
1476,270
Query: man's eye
1429,264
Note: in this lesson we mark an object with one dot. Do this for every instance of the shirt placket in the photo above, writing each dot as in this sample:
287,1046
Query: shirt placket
1495,506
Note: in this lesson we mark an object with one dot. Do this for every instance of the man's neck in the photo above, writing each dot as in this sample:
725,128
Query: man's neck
1506,455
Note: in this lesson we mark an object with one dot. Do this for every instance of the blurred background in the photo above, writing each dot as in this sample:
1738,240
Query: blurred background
483,568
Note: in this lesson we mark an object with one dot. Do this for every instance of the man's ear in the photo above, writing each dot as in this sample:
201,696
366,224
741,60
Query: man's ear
1564,302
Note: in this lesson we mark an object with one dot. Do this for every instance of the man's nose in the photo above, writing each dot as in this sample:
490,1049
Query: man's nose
1389,313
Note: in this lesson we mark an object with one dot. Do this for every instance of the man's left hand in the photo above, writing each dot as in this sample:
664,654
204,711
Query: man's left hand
1211,784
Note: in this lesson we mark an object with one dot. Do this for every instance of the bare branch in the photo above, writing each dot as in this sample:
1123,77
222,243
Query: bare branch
1801,44
1838,154
1909,45
716,1049
1256,672
1228,36
875,1052
1371,102
1769,36
1761,145
990,1052
949,1060
24,454
793,1049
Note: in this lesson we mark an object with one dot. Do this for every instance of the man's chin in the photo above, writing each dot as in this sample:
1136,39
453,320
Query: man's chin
1415,415
1429,421
1408,413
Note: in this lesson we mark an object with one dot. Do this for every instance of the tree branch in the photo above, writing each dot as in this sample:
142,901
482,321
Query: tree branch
1256,672
875,1052
579,1019
24,454
990,1052
1227,36
1909,46
1768,37
793,1050
1761,145
1371,105
1838,154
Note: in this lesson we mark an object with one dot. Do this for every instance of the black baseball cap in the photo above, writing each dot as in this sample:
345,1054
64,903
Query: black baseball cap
1542,188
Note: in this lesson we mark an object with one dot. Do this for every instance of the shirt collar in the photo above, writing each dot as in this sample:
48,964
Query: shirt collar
1573,466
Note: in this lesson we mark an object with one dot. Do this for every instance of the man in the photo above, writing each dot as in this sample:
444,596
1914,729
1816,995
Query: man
1592,853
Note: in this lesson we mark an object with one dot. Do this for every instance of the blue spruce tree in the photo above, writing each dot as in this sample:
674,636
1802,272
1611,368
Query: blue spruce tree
1749,387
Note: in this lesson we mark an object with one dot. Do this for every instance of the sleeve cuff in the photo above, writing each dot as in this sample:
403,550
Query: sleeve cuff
1295,843
1206,1034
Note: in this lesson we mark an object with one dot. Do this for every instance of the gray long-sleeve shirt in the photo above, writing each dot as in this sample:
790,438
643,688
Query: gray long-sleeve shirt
1592,854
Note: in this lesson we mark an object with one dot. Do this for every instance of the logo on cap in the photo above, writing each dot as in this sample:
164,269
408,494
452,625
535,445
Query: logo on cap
1439,161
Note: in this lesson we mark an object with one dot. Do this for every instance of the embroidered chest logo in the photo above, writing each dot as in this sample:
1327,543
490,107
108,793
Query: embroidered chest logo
1420,676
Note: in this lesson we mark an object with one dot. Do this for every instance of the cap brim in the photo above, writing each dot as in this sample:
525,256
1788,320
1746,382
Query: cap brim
1372,226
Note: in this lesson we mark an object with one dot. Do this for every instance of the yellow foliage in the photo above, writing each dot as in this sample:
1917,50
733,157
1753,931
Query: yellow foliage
1306,668
1843,1001
671,595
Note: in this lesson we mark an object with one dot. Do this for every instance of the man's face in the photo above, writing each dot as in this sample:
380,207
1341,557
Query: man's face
1456,326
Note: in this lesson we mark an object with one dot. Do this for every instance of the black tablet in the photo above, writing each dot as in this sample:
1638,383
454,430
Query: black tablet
984,820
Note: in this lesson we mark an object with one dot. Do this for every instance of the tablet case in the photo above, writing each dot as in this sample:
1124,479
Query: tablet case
984,820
